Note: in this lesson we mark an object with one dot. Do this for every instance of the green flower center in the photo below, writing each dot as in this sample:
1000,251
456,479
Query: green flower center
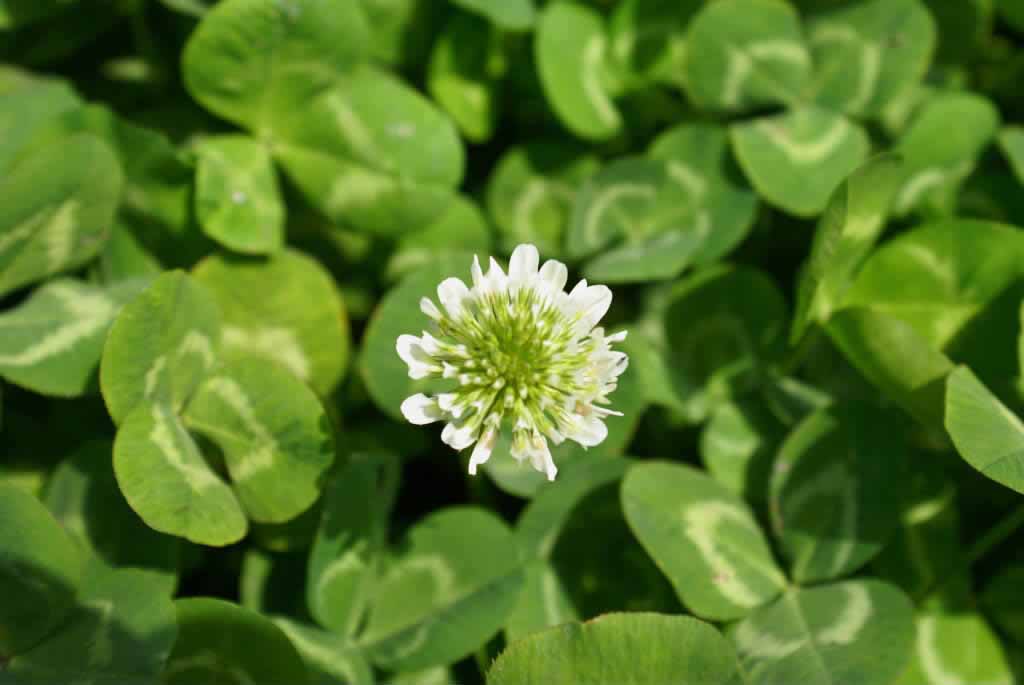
513,352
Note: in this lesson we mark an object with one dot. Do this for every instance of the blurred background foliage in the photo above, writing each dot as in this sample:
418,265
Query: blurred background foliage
217,217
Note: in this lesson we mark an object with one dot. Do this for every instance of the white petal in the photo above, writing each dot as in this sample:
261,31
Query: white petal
554,274
482,451
620,363
477,274
540,456
446,400
601,412
428,307
555,436
589,431
418,361
420,410
549,463
591,304
430,344
404,346
519,454
457,437
522,267
577,290
452,292
496,279
616,337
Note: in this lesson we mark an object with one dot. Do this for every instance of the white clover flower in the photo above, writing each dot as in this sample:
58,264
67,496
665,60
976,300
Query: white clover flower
521,354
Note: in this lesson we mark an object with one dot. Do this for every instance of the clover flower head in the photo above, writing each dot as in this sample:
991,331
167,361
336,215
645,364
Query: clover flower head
521,354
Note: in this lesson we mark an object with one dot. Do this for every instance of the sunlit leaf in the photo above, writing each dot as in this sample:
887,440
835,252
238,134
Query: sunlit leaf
867,53
796,160
988,436
703,537
940,157
745,53
956,648
238,202
856,633
52,343
513,15
121,630
57,209
83,494
571,50
532,189
286,308
632,649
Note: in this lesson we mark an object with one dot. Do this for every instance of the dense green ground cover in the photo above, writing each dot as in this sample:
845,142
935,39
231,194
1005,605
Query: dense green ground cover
217,218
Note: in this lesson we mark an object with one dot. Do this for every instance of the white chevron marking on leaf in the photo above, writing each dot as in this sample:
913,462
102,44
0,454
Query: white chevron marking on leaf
60,236
89,314
593,56
702,520
276,342
851,620
606,200
166,435
262,456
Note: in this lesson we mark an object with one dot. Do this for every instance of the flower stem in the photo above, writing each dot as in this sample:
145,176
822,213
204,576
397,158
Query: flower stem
996,535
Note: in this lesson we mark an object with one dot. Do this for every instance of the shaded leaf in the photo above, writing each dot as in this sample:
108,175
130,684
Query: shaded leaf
344,561
1002,601
895,358
450,590
52,343
57,209
837,486
40,569
530,193
463,74
217,638
852,222
719,325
